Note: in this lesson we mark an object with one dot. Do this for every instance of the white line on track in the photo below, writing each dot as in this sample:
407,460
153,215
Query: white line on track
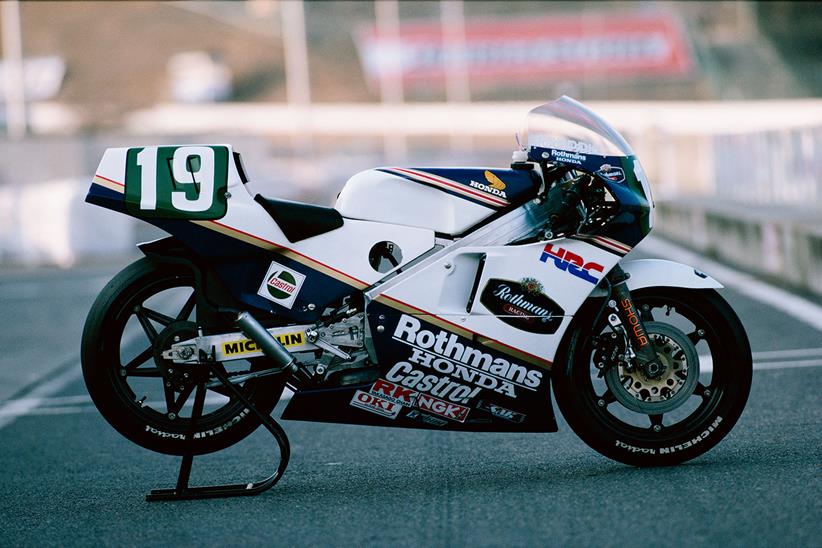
25,290
787,365
793,305
706,363
793,353
33,404
12,409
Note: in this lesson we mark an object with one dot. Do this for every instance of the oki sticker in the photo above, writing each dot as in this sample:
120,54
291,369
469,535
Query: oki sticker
572,263
281,285
375,404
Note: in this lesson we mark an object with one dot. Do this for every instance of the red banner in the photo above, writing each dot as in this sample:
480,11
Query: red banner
546,48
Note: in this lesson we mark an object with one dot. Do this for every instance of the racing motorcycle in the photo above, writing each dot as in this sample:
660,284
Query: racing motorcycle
438,298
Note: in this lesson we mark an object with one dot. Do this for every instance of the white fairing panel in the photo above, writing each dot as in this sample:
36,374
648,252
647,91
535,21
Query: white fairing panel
378,196
342,253
444,288
661,273
344,249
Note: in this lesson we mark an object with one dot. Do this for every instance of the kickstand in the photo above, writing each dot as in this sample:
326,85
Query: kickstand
183,492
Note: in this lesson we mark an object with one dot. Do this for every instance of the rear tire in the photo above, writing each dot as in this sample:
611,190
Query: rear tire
120,387
641,436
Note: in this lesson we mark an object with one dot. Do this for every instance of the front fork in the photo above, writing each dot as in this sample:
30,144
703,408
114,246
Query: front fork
632,322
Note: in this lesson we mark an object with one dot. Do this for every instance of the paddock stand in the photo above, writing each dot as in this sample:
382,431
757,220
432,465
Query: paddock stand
183,492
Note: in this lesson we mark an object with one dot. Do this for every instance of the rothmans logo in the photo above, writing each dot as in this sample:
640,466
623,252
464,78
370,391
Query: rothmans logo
495,185
522,305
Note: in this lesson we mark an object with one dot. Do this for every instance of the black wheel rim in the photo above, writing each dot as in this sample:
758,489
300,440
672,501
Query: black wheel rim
163,407
708,395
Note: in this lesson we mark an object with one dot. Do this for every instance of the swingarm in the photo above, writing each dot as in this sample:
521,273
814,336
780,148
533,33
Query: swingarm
253,341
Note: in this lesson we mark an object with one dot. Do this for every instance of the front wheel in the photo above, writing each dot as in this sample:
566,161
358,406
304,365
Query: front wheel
673,417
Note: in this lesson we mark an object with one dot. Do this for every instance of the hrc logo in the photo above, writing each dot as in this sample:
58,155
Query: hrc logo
571,262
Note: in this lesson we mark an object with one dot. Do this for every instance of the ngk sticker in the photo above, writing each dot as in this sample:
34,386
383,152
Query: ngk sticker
281,285
442,408
375,404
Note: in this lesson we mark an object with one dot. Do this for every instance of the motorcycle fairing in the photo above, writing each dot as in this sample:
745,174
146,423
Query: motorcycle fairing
435,374
566,132
433,335
449,201
335,263
566,271
621,176
242,265
493,188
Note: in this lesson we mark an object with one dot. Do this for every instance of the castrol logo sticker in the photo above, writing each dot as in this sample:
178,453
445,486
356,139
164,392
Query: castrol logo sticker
281,285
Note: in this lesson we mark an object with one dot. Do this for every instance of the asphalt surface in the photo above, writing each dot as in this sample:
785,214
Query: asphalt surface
67,478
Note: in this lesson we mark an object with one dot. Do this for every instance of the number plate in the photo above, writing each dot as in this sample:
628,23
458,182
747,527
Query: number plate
177,182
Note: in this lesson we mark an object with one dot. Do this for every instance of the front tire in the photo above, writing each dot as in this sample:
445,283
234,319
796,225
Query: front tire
629,419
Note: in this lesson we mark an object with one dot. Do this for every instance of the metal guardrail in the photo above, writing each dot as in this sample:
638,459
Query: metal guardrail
780,243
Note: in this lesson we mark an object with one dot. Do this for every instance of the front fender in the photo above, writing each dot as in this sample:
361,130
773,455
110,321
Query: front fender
659,272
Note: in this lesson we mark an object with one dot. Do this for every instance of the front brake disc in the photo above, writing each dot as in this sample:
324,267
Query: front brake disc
655,396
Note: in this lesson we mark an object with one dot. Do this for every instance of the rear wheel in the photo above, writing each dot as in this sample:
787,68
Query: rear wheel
675,416
139,314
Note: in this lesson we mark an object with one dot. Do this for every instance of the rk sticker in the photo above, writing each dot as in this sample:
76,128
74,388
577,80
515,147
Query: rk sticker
522,305
375,404
281,285
394,393
571,262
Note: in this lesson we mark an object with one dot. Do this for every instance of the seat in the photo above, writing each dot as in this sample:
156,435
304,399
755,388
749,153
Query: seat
300,221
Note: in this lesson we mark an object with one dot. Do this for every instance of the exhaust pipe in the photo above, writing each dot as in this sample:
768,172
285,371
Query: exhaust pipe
270,346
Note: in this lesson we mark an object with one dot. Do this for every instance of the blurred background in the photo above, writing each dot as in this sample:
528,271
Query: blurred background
720,100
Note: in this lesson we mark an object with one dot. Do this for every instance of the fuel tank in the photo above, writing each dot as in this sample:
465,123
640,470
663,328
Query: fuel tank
447,200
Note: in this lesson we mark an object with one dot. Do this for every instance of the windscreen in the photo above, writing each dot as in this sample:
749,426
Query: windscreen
568,126
568,133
